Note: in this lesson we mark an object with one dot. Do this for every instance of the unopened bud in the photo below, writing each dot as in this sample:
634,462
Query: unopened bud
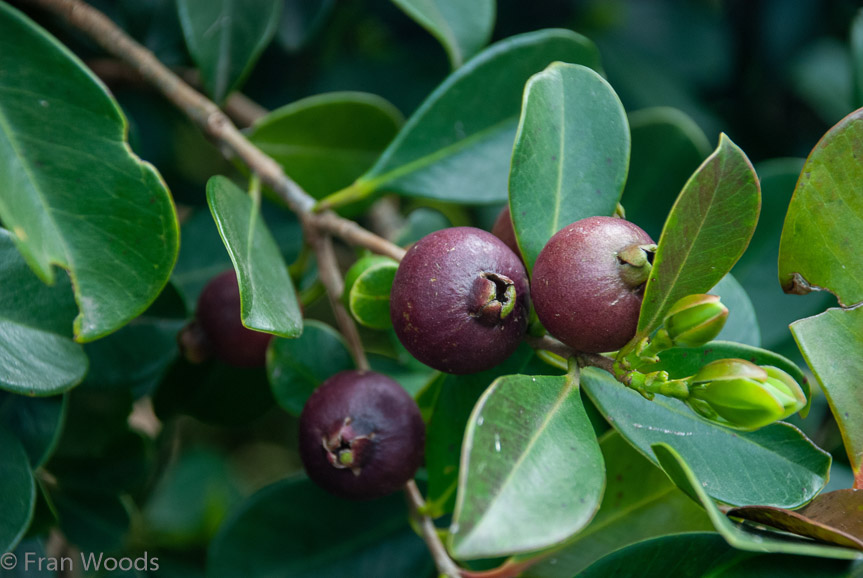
695,320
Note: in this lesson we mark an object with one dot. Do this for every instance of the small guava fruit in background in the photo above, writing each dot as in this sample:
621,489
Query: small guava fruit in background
361,435
460,300
503,230
218,329
588,282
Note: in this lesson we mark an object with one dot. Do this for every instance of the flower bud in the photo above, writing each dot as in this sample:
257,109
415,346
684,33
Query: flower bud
745,395
695,320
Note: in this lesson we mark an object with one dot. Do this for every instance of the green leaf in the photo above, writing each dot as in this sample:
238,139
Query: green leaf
326,141
463,28
707,554
296,367
36,421
740,537
267,299
832,344
71,191
17,490
522,431
667,147
137,355
783,468
707,230
451,411
287,529
819,248
640,502
226,37
742,324
457,145
37,354
570,156
369,297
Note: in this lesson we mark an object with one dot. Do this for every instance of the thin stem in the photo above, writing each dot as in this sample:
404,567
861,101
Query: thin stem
444,563
331,277
551,344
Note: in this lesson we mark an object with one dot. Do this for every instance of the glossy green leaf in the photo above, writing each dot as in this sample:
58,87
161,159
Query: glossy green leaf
829,518
300,20
369,298
783,468
819,247
451,411
740,537
707,230
326,141
570,156
640,502
667,147
457,145
17,490
267,298
832,344
463,28
532,473
37,422
137,355
37,353
708,554
226,37
287,529
742,323
295,367
71,191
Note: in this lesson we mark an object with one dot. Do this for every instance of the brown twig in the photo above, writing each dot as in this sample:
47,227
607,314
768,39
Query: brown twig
444,563
551,344
331,278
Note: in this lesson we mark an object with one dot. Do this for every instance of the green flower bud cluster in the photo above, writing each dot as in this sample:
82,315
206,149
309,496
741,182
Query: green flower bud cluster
740,394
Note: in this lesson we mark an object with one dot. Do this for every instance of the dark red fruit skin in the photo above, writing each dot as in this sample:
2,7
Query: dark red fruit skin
577,290
380,410
432,304
503,230
219,316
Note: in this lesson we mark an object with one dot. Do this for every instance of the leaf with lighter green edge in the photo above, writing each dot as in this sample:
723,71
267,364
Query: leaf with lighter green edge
463,28
17,491
667,147
708,554
820,246
705,234
640,502
832,344
37,422
738,536
532,473
457,145
296,367
71,191
369,298
452,406
226,37
570,157
37,354
267,298
783,468
326,141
